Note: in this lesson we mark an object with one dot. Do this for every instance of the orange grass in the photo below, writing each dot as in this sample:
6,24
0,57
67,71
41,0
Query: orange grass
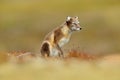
24,56
80,55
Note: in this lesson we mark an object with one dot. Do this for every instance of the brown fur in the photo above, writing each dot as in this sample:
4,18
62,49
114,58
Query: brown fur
45,51
57,35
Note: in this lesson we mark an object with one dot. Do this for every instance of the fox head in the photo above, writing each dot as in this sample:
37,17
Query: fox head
73,23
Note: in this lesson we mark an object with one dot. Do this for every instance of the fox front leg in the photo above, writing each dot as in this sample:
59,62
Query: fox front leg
60,51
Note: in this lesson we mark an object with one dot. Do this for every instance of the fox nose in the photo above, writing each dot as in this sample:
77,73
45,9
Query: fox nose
80,28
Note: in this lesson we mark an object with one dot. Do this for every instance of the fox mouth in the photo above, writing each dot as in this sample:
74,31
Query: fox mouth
78,29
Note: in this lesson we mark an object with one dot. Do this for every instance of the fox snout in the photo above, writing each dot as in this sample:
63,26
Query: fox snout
78,28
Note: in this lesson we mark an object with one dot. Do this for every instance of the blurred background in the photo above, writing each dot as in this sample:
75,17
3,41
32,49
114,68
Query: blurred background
24,24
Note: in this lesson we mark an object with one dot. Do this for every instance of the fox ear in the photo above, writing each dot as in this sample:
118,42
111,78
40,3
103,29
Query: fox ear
68,18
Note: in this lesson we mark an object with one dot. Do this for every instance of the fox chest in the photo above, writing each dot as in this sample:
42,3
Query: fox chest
64,40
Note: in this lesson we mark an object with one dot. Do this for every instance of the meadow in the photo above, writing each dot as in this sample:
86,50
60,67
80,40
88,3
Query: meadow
70,68
92,54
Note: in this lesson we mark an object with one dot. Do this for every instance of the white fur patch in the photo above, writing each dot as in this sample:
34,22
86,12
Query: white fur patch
78,29
63,41
54,52
68,18
75,28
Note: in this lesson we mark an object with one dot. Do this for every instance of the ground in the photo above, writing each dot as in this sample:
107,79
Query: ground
75,65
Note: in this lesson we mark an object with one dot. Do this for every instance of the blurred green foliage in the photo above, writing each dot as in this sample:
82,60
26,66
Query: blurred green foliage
24,23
